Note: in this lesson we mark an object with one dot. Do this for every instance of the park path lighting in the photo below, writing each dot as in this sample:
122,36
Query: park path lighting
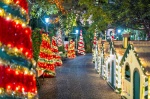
47,23
119,31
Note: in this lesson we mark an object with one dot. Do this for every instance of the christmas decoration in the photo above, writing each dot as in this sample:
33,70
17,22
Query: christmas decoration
46,60
71,50
66,43
135,79
17,76
94,41
36,39
20,13
94,49
81,50
56,56
59,38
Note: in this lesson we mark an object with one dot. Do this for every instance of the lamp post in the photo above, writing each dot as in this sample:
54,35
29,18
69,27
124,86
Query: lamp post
118,34
76,34
119,31
47,22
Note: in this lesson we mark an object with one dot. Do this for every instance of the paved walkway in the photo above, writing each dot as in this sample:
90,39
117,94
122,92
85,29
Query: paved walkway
76,79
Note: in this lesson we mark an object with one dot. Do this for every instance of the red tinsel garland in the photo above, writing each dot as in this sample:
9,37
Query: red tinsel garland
45,44
46,56
15,35
16,81
22,3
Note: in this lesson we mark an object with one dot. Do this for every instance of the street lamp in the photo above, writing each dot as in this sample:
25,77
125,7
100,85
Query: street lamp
47,22
119,31
118,34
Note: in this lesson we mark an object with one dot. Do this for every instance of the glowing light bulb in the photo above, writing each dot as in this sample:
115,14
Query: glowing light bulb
17,22
1,11
31,73
7,18
1,91
23,25
17,2
8,86
22,89
3,49
9,45
8,69
17,72
17,88
26,72
21,49
15,49
26,53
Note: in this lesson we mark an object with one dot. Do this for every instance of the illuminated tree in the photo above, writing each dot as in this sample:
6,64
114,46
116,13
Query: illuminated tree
71,50
59,38
46,60
56,56
81,49
94,48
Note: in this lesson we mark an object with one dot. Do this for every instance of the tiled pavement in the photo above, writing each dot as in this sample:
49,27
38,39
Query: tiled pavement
76,79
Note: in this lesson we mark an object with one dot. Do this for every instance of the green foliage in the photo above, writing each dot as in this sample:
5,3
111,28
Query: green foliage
36,41
133,14
88,38
68,22
42,7
61,49
100,17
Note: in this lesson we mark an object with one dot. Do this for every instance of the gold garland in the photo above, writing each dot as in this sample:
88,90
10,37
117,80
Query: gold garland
13,51
11,3
17,68
29,95
45,38
43,60
2,91
16,52
9,16
47,51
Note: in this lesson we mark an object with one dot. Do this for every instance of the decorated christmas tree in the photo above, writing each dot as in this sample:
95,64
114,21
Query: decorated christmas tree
56,56
71,50
59,38
94,47
46,61
81,49
66,44
17,76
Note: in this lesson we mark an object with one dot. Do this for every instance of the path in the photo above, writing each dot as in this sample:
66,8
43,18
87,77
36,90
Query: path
76,79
